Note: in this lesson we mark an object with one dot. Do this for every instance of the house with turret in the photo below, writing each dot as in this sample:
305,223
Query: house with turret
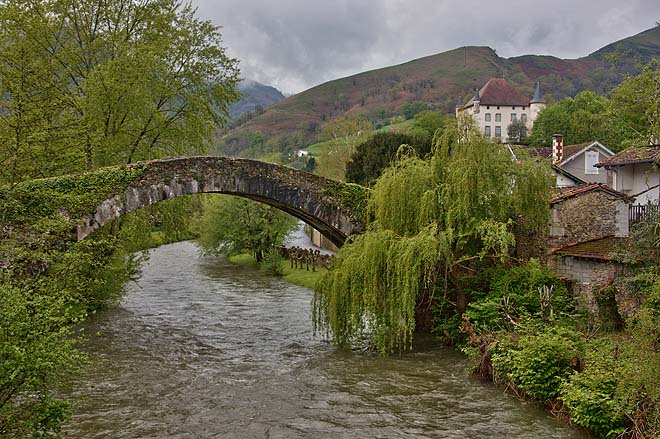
498,104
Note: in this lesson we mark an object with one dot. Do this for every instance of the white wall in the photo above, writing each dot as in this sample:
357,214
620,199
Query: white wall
633,179
506,112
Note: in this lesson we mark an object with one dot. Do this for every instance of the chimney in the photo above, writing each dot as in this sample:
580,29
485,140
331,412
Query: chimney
557,148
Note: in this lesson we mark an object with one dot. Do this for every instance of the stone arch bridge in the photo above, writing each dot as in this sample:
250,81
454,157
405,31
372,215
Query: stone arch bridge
335,209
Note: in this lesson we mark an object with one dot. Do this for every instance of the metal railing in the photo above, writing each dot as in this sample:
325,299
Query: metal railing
643,212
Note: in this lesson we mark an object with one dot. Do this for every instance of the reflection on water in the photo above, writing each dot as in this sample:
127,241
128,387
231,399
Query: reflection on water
201,348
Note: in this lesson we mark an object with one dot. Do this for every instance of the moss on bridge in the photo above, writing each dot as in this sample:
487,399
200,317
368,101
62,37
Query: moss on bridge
64,197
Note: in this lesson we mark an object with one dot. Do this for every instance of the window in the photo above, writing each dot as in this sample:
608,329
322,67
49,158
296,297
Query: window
487,119
513,108
487,107
523,107
523,118
487,131
498,117
513,117
498,131
590,160
498,107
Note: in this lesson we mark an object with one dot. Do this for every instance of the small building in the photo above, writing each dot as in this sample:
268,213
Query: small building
634,172
498,104
590,266
588,212
573,165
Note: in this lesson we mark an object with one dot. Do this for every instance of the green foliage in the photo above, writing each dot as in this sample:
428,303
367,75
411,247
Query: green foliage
376,153
230,225
638,389
373,288
448,215
273,263
37,352
589,395
410,109
636,105
584,118
87,84
353,196
517,132
428,122
75,195
342,135
519,288
539,361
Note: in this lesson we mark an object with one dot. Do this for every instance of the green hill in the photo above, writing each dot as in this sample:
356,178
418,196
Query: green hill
437,79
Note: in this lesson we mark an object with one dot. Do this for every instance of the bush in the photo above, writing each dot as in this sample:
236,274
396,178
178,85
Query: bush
516,291
590,395
272,263
537,365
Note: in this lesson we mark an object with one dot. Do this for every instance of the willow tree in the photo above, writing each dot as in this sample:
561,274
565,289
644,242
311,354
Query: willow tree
436,222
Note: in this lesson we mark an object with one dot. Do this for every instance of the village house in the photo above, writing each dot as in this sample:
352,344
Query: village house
498,104
574,165
633,172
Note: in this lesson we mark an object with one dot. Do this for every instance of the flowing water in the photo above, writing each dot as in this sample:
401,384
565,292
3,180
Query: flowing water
201,348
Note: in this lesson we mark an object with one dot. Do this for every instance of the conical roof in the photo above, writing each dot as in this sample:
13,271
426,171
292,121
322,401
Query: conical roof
538,96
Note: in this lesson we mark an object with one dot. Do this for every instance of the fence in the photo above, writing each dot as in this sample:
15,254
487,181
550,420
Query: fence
643,212
305,257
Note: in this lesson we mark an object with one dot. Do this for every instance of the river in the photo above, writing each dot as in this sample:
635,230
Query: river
200,348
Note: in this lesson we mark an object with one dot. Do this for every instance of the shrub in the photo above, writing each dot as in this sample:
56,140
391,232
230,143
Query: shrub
516,291
537,365
272,263
590,395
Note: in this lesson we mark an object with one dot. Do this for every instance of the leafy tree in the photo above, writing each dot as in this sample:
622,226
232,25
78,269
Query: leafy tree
517,132
636,106
442,218
410,109
343,135
428,122
375,154
89,83
231,225
580,119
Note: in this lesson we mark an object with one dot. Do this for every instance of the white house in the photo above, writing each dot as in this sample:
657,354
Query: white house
634,172
576,164
498,104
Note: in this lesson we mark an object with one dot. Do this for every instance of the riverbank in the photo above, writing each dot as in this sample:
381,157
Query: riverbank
296,276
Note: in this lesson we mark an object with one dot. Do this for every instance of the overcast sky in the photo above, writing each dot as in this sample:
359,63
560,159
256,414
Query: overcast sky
296,44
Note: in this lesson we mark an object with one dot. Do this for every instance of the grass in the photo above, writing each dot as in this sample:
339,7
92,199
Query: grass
300,277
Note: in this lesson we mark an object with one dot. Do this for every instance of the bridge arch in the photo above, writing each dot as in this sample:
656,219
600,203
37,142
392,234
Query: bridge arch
331,207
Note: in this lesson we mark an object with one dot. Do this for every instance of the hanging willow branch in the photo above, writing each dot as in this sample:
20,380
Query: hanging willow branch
453,212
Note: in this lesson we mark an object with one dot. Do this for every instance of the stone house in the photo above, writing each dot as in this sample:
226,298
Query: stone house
590,266
498,104
588,212
634,172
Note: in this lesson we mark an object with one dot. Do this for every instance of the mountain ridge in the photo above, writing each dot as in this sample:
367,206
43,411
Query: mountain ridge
439,80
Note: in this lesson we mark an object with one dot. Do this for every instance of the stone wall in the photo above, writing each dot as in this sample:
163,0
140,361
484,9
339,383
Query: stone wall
587,276
587,216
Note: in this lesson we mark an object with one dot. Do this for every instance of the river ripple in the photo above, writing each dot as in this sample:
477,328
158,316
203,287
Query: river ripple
201,348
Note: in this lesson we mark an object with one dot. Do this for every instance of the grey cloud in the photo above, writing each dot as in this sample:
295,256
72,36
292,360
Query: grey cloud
295,44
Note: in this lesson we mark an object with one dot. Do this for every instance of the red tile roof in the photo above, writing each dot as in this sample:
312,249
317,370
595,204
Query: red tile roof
606,248
578,190
500,92
644,154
